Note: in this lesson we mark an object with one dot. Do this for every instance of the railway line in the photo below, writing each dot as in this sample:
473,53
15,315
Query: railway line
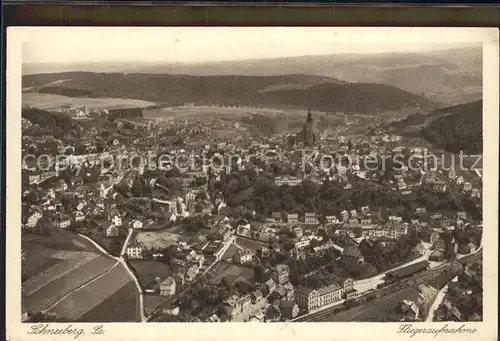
381,295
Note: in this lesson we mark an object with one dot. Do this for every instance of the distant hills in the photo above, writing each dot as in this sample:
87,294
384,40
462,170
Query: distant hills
285,91
456,128
449,77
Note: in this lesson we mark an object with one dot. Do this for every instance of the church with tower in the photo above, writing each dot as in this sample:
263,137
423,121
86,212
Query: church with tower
308,135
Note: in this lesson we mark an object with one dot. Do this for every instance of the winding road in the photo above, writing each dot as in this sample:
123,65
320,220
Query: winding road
125,265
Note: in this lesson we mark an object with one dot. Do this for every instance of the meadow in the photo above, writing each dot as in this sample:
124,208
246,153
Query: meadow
52,101
195,111
89,296
61,285
66,274
122,306
157,239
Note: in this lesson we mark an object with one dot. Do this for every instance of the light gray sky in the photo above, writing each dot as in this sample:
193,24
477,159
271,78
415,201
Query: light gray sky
202,44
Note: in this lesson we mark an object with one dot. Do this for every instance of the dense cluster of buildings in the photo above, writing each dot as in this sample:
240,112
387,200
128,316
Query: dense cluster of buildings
102,204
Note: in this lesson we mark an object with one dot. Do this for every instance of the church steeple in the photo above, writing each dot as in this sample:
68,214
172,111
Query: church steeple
309,116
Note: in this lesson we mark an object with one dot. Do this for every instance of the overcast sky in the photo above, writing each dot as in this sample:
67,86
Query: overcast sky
201,44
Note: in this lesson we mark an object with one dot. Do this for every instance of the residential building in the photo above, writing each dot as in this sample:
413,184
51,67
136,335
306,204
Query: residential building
439,245
395,219
276,216
34,179
307,299
475,193
271,285
281,274
62,221
33,219
287,180
331,219
192,272
243,256
467,186
299,233
190,197
345,215
137,224
225,232
293,218
301,244
353,222
117,220
365,222
79,216
256,296
112,231
171,311
409,311
167,287
214,318
398,230
134,252
439,186
310,218
237,305
244,230
420,210
289,310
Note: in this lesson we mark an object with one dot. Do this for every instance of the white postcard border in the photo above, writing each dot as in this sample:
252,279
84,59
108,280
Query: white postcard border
486,330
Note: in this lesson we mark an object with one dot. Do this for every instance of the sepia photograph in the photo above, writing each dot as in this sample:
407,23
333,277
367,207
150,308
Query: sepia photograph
254,175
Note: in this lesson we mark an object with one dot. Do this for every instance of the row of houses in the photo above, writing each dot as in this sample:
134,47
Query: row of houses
313,218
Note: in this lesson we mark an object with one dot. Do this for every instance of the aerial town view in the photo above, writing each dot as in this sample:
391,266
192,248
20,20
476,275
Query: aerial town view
311,186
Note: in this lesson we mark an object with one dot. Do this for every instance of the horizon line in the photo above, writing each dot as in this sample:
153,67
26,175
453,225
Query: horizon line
178,63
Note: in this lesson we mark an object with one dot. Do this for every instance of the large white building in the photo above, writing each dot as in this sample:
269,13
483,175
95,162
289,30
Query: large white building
310,299
134,252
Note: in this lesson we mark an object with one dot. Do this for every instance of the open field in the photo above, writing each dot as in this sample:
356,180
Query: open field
74,261
42,252
186,111
62,240
37,259
231,272
152,302
122,306
52,101
90,296
57,288
157,239
147,271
